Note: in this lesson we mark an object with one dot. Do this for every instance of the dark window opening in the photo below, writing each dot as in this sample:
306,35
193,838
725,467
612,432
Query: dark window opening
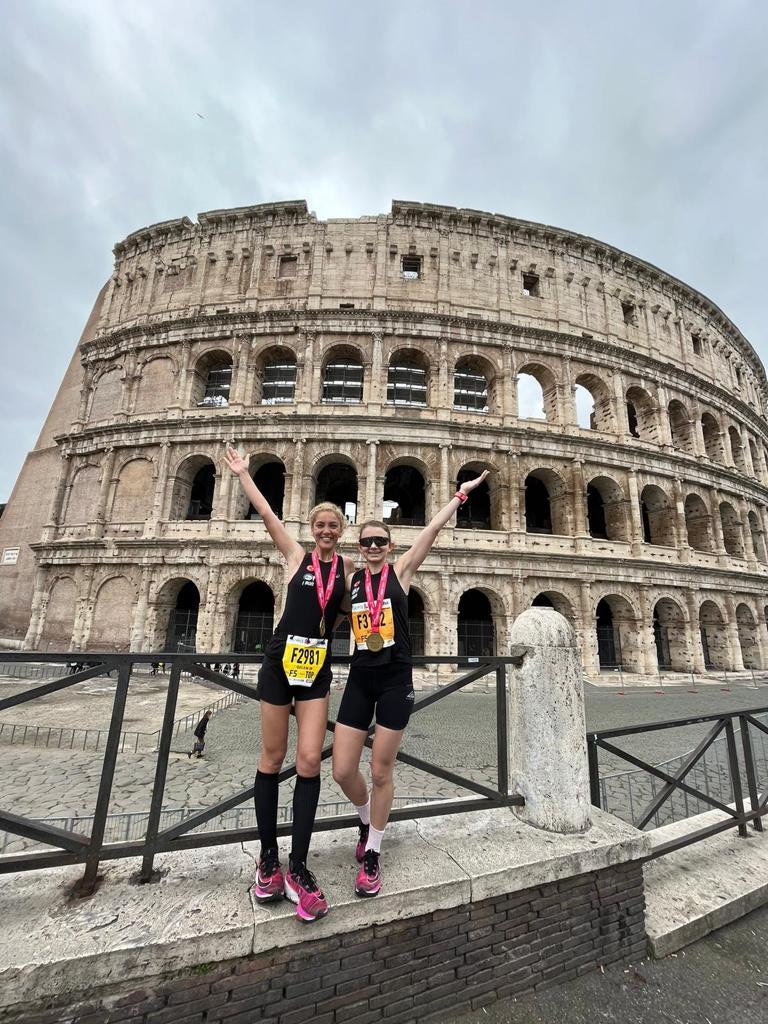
476,634
470,390
255,619
598,528
411,268
406,384
182,621
608,638
416,622
288,266
346,305
738,377
531,285
541,601
646,519
404,498
696,342
629,313
201,496
270,479
632,420
661,640
475,512
343,383
279,383
538,512
217,386
338,483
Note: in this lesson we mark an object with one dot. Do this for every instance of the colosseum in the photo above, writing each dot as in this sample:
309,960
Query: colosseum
374,362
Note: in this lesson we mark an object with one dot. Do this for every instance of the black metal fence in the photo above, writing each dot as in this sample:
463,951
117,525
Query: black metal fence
742,774
70,847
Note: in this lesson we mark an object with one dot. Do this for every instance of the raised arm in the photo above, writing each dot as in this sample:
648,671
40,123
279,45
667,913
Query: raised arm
408,563
289,548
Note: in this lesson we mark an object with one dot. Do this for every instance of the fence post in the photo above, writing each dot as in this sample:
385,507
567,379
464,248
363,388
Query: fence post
547,732
163,749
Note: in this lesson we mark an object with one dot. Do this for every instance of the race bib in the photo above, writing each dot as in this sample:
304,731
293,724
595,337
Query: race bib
361,624
303,658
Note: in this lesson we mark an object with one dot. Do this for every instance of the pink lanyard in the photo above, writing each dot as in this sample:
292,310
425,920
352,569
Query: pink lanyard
374,607
324,596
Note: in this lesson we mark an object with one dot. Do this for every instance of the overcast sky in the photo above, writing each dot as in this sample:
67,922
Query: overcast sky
644,125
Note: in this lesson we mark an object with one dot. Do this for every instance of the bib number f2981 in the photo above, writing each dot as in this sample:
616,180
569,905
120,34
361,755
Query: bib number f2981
303,658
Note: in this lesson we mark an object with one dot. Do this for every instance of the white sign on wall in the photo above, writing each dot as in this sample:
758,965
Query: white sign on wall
10,556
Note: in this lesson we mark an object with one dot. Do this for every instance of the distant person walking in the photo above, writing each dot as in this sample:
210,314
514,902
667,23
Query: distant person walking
200,728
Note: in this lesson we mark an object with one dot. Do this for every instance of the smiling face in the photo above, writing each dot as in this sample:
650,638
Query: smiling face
326,531
374,545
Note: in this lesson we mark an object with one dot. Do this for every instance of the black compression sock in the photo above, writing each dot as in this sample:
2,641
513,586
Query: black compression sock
305,797
265,795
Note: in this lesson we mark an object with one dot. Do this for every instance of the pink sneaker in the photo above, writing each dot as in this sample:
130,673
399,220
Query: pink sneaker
362,840
302,889
269,877
368,881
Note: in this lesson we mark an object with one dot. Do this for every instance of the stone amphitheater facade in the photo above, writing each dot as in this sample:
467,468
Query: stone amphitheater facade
375,361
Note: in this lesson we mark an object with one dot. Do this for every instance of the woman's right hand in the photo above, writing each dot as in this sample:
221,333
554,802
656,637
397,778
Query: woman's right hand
235,461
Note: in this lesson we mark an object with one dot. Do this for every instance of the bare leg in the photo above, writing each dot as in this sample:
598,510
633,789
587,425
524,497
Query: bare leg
274,736
347,749
386,743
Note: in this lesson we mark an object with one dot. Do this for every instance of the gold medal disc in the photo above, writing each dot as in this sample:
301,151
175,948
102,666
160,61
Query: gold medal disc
322,626
374,642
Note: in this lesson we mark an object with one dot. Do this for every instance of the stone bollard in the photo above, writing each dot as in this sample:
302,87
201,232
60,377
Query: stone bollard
547,732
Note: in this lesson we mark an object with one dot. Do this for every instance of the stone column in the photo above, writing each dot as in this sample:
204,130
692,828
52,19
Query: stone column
297,480
569,417
681,530
696,648
588,630
37,612
762,631
514,495
377,384
206,640
221,502
444,396
547,730
106,482
646,640
85,394
447,643
181,397
752,470
636,522
139,640
620,409
698,432
579,499
57,506
240,370
445,469
83,610
717,524
665,431
371,483
746,532
306,371
732,631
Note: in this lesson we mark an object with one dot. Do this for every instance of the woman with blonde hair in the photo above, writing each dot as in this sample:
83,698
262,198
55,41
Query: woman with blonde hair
295,672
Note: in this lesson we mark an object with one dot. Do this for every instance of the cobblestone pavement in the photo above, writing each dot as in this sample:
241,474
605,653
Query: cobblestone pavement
457,733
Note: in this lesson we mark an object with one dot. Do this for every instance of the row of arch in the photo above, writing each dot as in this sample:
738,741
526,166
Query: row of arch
615,630
708,524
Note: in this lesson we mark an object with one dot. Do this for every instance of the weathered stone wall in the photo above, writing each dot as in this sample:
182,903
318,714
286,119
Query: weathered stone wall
681,477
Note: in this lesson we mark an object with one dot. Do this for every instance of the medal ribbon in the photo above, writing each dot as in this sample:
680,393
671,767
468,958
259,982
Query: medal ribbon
324,595
374,607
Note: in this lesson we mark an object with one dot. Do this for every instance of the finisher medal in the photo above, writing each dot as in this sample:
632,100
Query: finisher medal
374,641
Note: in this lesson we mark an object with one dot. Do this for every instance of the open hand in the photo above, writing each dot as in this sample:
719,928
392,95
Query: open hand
470,485
235,461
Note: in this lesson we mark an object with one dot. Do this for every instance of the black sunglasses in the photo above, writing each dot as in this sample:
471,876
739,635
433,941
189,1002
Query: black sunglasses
380,542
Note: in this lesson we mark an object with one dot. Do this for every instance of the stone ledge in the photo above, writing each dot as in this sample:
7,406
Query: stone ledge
694,891
200,911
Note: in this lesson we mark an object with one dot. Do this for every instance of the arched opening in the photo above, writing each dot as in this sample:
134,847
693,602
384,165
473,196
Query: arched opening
733,535
407,378
471,378
714,638
670,637
606,510
337,482
553,599
737,450
193,489
617,634
698,524
477,512
277,371
756,533
107,395
748,640
155,387
537,393
133,492
657,516
476,634
713,442
404,496
545,510
593,403
641,415
269,477
680,427
416,621
255,618
182,619
211,380
343,376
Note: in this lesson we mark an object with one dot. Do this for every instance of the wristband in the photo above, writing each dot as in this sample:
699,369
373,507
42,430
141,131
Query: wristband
461,496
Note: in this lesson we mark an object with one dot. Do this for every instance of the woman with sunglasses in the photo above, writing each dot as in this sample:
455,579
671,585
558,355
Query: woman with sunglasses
380,679
295,672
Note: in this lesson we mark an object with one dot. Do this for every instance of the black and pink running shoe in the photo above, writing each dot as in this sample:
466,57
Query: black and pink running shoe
361,841
269,883
368,881
302,889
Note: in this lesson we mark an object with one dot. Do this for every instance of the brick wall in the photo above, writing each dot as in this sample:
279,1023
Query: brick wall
447,961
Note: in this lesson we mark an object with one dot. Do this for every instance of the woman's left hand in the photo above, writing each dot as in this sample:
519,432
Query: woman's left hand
470,485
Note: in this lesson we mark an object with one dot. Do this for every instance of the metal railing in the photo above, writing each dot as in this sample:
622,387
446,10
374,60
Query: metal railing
73,847
741,771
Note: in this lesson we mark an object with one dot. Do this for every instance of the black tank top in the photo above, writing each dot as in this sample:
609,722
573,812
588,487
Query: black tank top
400,651
301,616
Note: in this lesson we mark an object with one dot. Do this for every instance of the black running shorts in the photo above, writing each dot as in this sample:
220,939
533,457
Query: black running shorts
273,688
387,691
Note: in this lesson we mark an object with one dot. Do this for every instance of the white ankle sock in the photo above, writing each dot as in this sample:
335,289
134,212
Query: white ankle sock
364,812
374,839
